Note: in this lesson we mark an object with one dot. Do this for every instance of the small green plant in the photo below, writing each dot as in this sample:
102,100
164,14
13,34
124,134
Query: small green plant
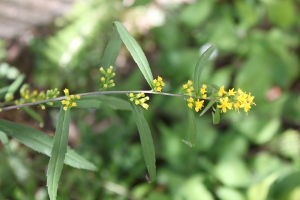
196,95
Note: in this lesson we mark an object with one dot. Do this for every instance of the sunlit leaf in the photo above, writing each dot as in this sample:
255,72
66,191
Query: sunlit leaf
41,142
135,51
58,152
146,140
200,66
112,50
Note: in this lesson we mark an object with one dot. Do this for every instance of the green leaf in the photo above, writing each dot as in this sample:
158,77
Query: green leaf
112,50
146,140
13,87
88,103
41,142
200,66
5,141
207,107
32,113
192,127
3,91
216,116
136,52
111,102
58,152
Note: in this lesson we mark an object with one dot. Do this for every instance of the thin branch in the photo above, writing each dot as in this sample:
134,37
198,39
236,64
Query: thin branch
97,93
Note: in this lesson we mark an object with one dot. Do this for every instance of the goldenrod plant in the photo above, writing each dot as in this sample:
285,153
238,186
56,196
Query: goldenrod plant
197,96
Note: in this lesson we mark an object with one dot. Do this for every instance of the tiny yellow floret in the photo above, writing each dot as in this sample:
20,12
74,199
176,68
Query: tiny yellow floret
221,91
66,91
231,92
224,104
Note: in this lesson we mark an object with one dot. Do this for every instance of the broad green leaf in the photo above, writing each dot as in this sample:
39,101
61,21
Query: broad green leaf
58,151
136,52
232,171
193,187
41,142
112,50
192,127
4,140
13,87
216,116
111,102
34,115
199,68
207,107
146,140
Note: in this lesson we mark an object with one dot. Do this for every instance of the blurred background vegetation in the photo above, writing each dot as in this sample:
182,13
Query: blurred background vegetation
254,157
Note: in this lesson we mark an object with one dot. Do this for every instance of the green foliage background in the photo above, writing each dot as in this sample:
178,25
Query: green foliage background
254,157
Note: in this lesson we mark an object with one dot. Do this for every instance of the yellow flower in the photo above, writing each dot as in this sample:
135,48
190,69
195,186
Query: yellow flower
146,106
157,84
221,91
231,92
190,105
224,104
66,91
199,105
185,86
190,100
68,102
190,82
139,99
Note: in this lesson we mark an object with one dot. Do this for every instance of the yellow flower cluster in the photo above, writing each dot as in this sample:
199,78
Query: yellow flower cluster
139,99
198,104
106,78
158,84
238,100
69,101
34,96
188,89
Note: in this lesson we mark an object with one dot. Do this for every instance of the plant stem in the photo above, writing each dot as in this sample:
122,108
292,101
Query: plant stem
97,93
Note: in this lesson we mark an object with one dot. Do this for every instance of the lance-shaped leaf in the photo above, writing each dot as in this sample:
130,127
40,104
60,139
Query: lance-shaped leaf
207,107
41,142
146,140
34,115
112,50
192,128
4,140
3,91
199,68
216,116
135,51
13,87
110,102
58,152
95,101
